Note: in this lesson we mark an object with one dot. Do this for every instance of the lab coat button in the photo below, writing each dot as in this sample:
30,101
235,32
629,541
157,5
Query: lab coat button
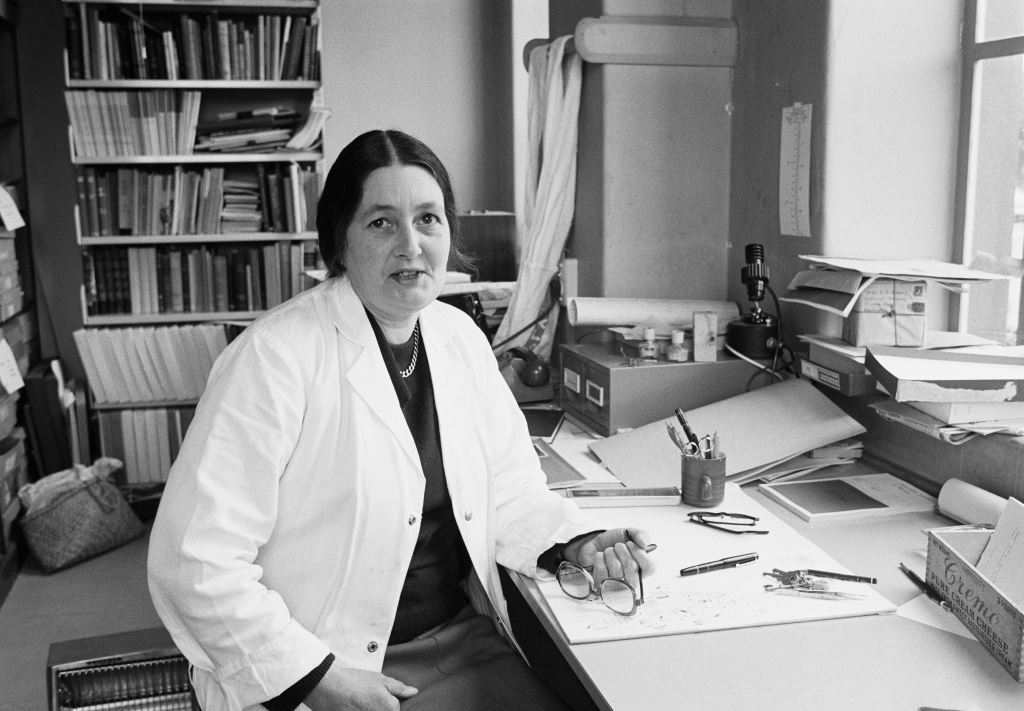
412,520
371,647
468,515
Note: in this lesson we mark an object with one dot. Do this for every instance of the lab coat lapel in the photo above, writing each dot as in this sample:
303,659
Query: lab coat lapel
368,376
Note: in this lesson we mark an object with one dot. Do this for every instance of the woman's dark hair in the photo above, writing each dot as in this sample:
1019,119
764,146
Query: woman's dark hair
343,189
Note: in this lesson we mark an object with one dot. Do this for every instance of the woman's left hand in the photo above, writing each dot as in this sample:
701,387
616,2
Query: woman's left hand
616,553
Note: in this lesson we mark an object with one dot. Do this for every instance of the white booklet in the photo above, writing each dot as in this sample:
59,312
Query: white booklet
845,499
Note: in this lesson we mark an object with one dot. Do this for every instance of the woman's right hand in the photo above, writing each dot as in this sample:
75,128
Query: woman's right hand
347,689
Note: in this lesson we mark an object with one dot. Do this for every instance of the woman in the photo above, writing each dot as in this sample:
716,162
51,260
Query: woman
355,457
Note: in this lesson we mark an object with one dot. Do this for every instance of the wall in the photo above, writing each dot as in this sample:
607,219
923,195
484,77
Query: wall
883,79
653,165
440,73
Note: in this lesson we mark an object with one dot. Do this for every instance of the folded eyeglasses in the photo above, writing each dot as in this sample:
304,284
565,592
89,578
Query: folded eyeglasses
724,521
616,594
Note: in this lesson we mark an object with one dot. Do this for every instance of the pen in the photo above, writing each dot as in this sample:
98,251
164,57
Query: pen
924,587
730,562
690,434
651,547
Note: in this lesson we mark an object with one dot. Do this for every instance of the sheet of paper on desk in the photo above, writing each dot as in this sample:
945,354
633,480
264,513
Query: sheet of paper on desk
755,429
724,599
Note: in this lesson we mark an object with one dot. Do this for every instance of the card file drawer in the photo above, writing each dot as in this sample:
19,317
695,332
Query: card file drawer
604,392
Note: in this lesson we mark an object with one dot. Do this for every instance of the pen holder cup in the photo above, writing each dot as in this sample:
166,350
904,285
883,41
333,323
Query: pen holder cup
703,481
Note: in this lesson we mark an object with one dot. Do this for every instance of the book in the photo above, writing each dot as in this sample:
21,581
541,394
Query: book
954,413
845,499
847,383
910,375
625,496
558,472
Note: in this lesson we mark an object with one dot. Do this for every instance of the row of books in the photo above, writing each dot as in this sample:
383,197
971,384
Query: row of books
122,44
203,279
165,122
12,297
184,201
149,364
132,123
146,440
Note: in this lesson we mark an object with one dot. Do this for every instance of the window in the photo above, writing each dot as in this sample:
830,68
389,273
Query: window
990,182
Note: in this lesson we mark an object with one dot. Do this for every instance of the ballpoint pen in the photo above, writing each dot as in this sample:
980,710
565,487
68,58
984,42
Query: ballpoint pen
729,562
924,587
690,434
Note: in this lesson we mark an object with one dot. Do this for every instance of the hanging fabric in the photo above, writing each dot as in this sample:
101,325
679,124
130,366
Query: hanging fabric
554,101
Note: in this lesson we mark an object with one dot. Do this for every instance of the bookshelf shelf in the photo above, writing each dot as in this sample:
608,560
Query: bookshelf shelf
233,84
235,317
239,5
233,237
210,158
192,215
149,405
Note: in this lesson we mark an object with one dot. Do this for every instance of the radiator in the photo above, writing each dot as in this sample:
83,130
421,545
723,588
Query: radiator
142,669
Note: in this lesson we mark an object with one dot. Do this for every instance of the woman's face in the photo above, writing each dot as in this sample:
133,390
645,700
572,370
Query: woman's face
398,243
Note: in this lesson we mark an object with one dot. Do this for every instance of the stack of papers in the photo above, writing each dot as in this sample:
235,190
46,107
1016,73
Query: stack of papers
834,284
952,395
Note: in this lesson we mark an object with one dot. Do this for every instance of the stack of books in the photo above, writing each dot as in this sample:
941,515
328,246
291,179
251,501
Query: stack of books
952,395
253,131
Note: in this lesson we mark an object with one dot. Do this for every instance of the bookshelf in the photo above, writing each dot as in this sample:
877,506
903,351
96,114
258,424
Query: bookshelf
194,133
17,317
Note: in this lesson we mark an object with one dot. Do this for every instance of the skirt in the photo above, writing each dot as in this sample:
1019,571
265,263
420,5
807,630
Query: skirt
465,664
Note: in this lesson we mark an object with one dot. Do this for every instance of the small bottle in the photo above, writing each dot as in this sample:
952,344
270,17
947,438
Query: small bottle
649,349
678,352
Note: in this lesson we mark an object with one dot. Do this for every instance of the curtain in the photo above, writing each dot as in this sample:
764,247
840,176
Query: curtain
553,103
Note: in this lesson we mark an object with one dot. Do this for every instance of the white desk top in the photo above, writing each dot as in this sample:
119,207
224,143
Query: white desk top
877,662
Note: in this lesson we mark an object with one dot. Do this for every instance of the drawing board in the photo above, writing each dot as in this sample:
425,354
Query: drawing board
723,599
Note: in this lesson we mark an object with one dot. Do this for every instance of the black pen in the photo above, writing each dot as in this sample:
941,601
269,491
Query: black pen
924,587
690,434
730,562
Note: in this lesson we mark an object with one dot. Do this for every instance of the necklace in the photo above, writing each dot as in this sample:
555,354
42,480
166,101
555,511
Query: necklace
415,352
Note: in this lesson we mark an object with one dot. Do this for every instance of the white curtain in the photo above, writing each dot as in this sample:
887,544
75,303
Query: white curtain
554,102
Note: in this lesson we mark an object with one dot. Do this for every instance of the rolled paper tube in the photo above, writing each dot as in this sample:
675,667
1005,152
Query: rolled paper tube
664,314
967,503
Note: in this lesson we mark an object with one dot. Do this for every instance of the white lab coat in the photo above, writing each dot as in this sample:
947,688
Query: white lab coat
290,515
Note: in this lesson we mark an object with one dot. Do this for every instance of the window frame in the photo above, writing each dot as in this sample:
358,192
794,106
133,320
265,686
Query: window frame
972,52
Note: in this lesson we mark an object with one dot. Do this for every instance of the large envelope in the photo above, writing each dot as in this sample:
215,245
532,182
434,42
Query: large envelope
755,429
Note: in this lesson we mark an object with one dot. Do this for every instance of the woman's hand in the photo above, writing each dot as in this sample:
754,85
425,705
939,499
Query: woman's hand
347,689
617,553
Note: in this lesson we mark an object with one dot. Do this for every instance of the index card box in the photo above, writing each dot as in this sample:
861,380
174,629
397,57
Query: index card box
995,620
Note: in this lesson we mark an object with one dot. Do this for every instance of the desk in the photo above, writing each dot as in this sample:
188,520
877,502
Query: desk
878,662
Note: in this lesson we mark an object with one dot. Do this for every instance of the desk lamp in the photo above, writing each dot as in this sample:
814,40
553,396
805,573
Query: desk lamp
756,333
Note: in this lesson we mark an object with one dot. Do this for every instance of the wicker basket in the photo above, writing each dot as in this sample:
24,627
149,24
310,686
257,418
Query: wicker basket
79,524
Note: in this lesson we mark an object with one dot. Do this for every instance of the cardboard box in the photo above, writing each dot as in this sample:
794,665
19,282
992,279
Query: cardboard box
997,622
889,312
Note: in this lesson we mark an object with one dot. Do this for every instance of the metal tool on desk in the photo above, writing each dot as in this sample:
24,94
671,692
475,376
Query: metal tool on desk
813,583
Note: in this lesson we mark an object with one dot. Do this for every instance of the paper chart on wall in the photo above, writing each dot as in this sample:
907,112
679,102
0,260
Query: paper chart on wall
725,599
795,171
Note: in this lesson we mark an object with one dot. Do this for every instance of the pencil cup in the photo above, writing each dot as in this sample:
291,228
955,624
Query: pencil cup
703,481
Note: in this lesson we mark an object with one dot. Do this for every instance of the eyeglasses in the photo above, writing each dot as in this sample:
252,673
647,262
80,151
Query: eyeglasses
616,594
722,521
